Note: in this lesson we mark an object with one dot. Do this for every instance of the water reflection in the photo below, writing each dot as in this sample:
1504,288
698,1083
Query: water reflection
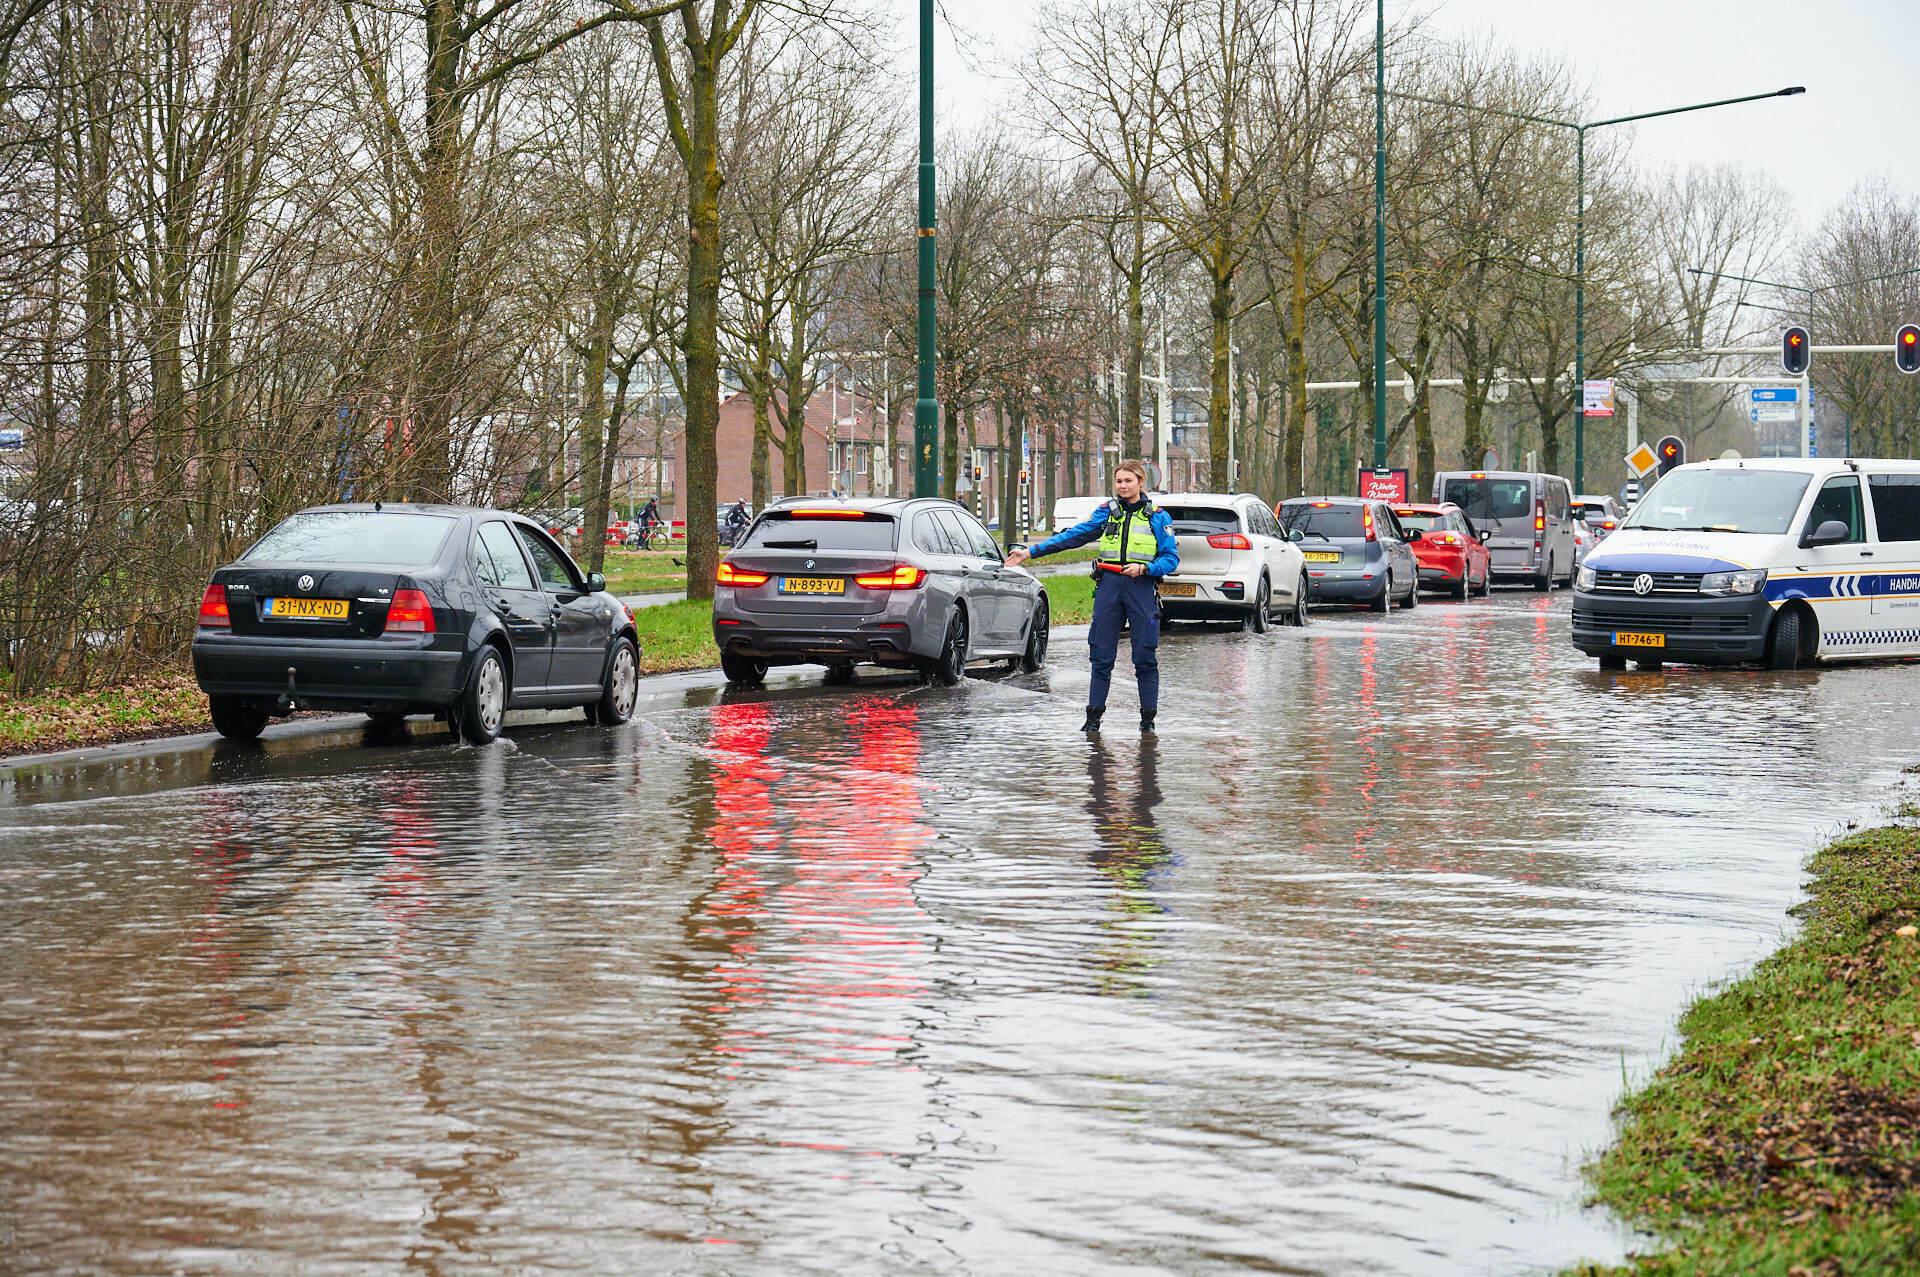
1132,852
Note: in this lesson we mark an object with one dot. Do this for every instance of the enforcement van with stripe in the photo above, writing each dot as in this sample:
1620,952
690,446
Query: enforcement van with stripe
1780,562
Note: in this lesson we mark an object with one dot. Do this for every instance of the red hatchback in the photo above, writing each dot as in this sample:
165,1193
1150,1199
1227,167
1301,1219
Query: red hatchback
1453,554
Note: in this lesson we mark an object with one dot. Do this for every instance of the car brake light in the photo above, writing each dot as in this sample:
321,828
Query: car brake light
1444,538
1539,514
1229,541
827,514
409,613
1609,525
731,575
1366,518
213,608
904,576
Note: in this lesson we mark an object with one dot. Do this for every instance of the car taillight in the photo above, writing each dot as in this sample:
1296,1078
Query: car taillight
1444,538
1229,541
827,514
409,613
731,575
904,576
1539,514
213,608
1366,519
1609,525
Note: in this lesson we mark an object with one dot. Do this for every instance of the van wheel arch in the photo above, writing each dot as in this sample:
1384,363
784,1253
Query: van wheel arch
1809,626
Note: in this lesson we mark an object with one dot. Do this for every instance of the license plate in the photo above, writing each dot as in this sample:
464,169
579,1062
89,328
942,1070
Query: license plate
304,609
1321,556
1622,639
813,585
1177,589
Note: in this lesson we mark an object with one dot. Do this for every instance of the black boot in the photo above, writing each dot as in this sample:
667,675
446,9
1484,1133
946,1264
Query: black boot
1093,718
1146,721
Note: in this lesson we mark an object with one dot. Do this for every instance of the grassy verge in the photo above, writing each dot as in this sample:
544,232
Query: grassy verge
152,705
1785,1138
645,571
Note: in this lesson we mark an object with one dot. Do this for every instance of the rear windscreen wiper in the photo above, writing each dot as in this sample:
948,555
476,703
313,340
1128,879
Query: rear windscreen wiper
792,545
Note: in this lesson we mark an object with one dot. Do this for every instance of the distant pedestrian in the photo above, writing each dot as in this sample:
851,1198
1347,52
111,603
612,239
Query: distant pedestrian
1136,549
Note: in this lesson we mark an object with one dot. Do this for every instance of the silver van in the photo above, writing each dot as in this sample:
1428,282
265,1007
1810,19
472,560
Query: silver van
1529,515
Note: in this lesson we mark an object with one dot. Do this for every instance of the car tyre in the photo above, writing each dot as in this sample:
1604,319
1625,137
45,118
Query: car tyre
741,670
622,689
1783,645
1297,617
235,719
482,708
1385,600
1486,582
1544,581
1613,662
1039,631
1465,587
839,673
1259,618
951,665
1413,594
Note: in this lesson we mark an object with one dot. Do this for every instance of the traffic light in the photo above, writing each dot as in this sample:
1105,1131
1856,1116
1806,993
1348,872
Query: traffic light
1906,348
1672,452
1796,350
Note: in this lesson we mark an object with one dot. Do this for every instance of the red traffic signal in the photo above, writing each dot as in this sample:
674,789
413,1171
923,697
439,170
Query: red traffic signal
1796,350
1906,348
1672,452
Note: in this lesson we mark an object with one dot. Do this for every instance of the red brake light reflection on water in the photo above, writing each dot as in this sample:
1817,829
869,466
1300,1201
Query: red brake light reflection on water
214,612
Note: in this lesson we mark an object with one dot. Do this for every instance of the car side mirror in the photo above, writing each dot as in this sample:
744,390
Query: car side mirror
1832,532
595,583
1414,534
1486,535
1295,534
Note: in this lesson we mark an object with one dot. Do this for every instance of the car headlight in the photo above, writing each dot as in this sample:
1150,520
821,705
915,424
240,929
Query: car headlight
1587,578
1726,583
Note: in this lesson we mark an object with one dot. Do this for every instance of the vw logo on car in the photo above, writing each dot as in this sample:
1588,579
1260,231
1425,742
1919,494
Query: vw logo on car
305,583
1643,584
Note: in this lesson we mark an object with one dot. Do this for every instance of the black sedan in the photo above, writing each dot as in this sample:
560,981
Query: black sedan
401,609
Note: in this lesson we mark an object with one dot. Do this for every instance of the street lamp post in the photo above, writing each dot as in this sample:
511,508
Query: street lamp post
1580,235
926,410
1380,235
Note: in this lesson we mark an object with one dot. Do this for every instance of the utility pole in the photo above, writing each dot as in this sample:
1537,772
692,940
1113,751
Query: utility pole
926,409
1380,235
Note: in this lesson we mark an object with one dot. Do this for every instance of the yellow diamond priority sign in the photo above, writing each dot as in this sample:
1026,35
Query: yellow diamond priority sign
1642,460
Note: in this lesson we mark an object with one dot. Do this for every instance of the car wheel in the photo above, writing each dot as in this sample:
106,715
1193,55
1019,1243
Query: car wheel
1413,594
839,673
1544,581
482,707
235,719
1783,646
1039,631
1259,618
1613,662
1465,587
744,671
951,665
1486,582
1298,616
616,702
1386,597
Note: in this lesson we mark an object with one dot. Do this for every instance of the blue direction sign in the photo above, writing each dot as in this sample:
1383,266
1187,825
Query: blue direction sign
1773,404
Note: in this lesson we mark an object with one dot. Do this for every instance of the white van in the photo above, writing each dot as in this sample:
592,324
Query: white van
1780,561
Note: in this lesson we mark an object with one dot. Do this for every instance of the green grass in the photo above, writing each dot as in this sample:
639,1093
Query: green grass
1785,1137
645,571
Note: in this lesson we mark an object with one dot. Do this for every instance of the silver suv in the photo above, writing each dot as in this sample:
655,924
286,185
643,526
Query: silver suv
914,583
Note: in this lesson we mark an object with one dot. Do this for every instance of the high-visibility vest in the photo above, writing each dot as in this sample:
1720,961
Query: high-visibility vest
1129,536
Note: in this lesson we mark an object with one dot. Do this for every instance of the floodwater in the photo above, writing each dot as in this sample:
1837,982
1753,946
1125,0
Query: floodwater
1340,973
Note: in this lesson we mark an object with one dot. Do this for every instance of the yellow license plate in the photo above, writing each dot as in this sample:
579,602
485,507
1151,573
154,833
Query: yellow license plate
1177,589
306,609
1321,556
813,585
1621,639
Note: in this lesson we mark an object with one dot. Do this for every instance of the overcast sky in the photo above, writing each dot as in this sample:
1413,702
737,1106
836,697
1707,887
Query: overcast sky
1857,59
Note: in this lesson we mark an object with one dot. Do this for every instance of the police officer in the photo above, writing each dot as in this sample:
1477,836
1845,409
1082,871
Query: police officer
1136,549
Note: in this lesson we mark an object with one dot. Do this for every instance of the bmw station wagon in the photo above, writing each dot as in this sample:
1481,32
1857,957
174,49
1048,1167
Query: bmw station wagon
400,609
915,583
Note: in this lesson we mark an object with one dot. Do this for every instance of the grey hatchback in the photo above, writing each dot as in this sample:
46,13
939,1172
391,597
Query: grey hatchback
914,582
1355,550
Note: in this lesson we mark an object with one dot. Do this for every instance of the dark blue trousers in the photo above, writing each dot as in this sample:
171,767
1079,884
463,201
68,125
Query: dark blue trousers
1130,597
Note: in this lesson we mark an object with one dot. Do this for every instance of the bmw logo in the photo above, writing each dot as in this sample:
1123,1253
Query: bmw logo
809,563
1643,584
306,583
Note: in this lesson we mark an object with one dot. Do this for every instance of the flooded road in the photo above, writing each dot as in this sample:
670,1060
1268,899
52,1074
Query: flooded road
1340,973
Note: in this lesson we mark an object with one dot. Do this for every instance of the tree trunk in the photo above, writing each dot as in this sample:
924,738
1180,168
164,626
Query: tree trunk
427,421
949,448
593,433
1220,389
1053,471
1131,428
762,440
1423,467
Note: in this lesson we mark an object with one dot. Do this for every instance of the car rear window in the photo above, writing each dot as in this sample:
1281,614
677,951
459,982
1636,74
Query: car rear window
1491,498
1202,520
1324,520
1410,520
383,537
797,532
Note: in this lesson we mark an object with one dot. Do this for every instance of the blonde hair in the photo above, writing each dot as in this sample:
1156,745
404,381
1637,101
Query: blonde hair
1136,468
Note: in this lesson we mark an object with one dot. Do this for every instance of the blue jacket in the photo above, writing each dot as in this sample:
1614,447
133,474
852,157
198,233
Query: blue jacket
1165,561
